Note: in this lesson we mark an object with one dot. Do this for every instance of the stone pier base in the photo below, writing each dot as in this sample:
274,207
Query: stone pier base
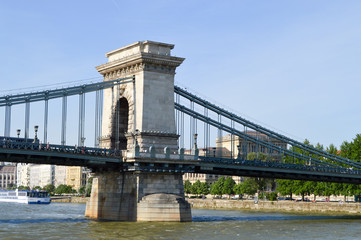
136,196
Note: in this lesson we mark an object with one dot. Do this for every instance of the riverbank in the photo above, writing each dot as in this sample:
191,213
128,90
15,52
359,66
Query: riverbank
278,206
275,206
69,199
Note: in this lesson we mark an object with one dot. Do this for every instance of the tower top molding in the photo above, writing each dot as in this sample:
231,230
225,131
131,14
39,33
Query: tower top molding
140,52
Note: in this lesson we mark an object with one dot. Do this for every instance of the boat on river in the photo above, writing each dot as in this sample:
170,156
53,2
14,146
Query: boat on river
28,197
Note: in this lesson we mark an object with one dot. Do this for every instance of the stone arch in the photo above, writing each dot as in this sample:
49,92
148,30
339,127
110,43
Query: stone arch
120,124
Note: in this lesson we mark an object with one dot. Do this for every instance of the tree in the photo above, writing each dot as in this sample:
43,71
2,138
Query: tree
49,188
11,187
258,156
187,187
285,187
82,190
237,188
249,187
196,188
228,186
24,188
89,185
217,187
37,188
204,190
62,188
302,188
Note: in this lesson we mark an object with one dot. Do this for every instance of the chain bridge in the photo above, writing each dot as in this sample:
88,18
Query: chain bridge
149,132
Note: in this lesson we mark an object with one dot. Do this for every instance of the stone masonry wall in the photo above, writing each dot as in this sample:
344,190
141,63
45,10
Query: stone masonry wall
287,206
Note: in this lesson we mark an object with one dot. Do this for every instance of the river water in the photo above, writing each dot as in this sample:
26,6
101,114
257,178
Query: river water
67,221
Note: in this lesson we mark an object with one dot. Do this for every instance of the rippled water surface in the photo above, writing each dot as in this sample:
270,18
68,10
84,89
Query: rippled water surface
67,221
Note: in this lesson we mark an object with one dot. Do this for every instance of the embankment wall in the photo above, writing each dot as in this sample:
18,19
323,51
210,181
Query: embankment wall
286,206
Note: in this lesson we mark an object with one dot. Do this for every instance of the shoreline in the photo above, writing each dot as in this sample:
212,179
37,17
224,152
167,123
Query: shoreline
349,208
278,206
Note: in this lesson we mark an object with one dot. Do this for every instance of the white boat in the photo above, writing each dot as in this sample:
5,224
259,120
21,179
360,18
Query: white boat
29,197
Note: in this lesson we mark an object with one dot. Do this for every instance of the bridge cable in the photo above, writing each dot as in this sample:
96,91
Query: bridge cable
268,132
253,139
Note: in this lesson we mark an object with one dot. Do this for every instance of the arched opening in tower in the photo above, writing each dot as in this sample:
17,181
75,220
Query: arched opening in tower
120,124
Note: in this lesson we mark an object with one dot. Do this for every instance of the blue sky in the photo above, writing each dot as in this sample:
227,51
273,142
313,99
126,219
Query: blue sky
293,66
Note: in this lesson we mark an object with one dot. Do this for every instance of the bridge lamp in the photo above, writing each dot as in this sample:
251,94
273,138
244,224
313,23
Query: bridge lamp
135,136
239,151
18,132
195,140
36,128
205,152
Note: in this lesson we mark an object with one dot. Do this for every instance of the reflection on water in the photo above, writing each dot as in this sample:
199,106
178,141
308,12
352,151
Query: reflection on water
66,221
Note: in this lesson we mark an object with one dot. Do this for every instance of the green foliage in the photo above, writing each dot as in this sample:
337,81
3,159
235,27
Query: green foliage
82,190
258,156
50,188
204,188
24,188
285,187
196,188
187,187
272,196
237,188
37,188
228,186
217,187
249,187
63,189
11,187
88,188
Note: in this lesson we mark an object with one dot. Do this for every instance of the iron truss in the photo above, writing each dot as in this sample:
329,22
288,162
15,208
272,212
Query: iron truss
9,100
233,117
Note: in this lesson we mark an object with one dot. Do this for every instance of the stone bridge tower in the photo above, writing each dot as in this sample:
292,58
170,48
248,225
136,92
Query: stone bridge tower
140,111
143,109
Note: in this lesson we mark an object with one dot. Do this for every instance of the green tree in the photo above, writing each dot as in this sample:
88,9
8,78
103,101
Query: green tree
204,188
302,188
89,185
249,187
187,187
37,188
228,186
237,188
285,187
196,188
50,188
258,156
62,188
82,190
217,187
24,188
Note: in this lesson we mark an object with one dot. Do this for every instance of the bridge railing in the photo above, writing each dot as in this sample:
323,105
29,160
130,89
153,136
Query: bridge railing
274,164
22,144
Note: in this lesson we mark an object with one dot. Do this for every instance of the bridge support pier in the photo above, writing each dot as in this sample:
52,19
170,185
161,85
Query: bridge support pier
138,196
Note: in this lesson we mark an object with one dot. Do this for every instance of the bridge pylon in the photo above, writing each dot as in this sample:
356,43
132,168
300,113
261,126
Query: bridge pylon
139,115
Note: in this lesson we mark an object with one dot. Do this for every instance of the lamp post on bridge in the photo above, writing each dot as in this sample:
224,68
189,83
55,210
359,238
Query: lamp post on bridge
239,151
135,134
18,132
36,128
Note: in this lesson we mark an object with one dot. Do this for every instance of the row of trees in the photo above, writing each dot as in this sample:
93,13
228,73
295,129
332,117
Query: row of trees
250,186
61,189
350,150
227,186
